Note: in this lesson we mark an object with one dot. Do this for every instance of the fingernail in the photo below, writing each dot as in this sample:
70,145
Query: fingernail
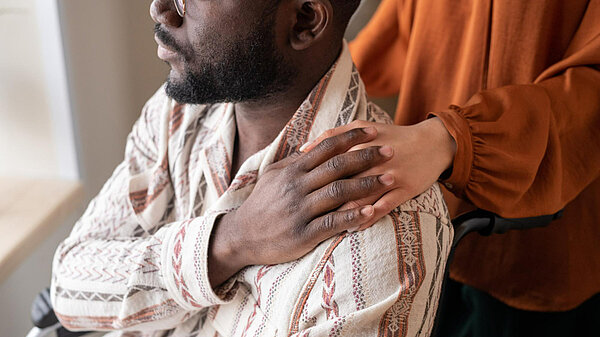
303,147
386,151
367,210
369,130
386,179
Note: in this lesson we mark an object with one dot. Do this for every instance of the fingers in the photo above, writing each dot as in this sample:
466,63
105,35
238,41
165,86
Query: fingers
391,200
332,133
285,161
327,134
386,204
370,200
324,227
332,146
346,165
339,192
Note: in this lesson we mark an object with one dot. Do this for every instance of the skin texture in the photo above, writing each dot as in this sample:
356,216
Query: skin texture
276,224
422,152
234,67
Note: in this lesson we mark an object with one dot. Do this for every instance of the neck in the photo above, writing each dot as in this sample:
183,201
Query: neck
259,122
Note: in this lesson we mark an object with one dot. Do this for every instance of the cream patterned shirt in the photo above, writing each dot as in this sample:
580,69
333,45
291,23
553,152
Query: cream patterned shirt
136,262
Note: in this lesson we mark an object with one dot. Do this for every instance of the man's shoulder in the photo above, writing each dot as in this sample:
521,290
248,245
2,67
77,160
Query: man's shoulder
431,202
377,114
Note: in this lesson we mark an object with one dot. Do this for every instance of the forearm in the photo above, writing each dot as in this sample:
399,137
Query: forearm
164,274
100,284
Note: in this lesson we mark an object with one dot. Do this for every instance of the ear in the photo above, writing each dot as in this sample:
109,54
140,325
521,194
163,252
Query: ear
313,17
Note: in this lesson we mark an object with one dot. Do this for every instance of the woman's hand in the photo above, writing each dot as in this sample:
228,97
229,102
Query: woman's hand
422,152
295,204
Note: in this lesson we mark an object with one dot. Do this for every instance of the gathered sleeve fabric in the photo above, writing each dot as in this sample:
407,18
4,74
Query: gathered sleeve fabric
117,272
528,150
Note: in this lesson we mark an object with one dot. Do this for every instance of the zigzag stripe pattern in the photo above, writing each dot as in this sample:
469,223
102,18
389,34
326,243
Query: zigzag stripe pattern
147,236
111,262
104,297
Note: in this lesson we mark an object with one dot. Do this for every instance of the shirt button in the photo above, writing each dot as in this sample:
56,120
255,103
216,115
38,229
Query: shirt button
449,186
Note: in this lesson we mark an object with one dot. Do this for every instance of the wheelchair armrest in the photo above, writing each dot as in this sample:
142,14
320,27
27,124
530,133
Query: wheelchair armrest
487,223
44,318
42,314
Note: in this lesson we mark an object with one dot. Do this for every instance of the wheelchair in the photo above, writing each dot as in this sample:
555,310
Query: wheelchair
483,222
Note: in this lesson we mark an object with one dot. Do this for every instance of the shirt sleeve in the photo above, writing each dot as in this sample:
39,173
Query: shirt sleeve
528,150
115,272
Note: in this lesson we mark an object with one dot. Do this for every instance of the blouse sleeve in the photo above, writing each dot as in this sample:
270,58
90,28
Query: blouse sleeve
528,150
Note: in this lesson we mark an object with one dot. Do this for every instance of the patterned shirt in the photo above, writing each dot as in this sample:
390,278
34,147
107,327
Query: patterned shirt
136,262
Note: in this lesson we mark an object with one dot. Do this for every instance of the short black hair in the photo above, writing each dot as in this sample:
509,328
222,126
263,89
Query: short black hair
346,8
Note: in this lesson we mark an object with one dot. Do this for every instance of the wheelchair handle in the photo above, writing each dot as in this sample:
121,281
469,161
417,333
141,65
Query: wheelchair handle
487,223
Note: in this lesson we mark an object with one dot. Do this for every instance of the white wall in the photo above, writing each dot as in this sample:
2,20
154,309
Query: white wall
112,69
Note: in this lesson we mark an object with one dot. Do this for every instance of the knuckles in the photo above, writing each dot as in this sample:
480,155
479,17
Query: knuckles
327,223
368,183
350,216
289,186
367,154
353,135
335,189
334,164
327,144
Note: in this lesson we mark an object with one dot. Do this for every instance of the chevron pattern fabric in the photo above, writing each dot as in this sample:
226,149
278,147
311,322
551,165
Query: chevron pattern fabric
135,264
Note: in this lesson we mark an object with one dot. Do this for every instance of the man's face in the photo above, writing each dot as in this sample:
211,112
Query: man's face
224,51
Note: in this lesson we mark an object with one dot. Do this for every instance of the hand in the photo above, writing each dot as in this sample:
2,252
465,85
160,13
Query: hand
422,152
293,206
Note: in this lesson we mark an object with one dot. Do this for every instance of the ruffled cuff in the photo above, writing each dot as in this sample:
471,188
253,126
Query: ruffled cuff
185,258
456,123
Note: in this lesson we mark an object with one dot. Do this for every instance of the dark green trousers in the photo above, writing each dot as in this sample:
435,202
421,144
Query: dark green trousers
468,312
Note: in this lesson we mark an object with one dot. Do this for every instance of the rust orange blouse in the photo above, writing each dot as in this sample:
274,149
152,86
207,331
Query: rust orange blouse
517,84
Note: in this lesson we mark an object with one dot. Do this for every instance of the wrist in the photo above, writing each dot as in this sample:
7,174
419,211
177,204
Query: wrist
444,143
230,240
226,256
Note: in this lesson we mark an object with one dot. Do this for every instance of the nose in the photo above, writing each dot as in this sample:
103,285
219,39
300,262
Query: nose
164,12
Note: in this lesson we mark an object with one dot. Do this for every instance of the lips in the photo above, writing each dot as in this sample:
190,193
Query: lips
163,52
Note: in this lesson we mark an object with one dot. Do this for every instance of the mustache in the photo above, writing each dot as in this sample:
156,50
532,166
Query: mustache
167,39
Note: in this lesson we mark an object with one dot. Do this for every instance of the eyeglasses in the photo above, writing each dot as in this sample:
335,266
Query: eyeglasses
180,6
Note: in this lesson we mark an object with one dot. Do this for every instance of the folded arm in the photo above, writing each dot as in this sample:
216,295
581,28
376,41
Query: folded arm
121,269
116,271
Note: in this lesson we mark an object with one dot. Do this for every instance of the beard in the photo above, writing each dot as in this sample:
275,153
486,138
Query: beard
247,68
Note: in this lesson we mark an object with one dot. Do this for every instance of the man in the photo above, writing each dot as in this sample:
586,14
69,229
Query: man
214,225
517,84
